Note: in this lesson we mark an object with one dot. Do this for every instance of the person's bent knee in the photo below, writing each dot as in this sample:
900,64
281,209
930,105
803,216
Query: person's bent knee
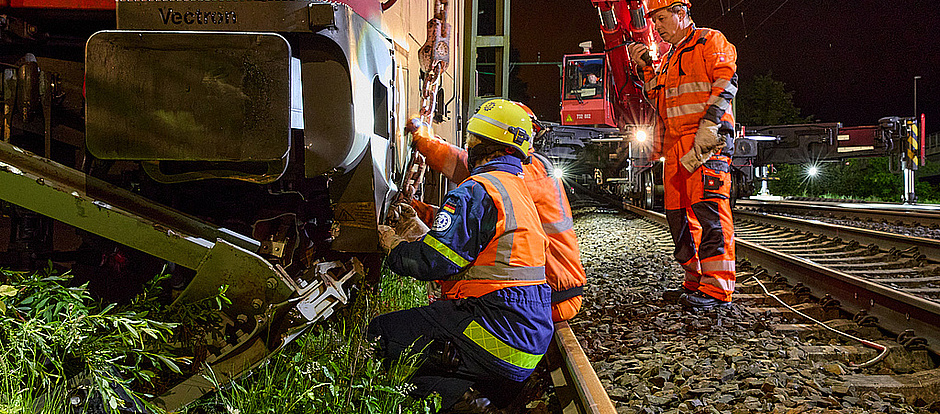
567,309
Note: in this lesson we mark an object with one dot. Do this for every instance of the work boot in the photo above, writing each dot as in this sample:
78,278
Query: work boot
673,295
698,301
473,403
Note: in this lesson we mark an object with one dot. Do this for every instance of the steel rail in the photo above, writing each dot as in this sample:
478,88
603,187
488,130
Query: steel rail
890,213
591,398
930,248
896,311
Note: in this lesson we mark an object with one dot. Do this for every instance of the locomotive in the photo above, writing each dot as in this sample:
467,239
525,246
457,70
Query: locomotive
249,144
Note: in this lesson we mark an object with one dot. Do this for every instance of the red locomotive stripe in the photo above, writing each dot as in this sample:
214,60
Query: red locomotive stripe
65,4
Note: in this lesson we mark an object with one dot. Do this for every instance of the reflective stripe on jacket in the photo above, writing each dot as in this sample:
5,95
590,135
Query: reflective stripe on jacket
697,80
563,269
511,323
516,254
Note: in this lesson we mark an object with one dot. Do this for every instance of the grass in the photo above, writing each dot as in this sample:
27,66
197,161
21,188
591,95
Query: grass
51,333
334,369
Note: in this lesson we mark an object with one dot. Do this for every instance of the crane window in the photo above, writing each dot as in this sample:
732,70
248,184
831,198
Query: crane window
584,78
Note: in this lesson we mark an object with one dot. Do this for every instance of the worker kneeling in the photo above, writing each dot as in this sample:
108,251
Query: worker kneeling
487,248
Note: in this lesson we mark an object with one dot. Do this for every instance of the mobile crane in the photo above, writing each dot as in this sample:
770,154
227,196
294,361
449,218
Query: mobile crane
606,138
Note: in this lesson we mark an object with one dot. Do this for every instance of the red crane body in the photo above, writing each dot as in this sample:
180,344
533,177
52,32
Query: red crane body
619,101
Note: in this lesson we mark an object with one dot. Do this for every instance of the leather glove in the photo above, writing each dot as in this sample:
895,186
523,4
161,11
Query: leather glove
414,124
434,291
388,239
409,226
420,131
706,143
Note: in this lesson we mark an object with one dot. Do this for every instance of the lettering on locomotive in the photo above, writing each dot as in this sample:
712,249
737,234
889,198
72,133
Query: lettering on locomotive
196,17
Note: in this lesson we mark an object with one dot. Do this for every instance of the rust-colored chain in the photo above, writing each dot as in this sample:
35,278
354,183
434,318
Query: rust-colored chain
434,57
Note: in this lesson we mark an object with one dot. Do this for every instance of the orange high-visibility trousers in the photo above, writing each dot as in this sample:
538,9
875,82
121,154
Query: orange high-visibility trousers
698,209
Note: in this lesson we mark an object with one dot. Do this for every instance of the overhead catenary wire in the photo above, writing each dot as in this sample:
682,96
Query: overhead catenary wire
771,14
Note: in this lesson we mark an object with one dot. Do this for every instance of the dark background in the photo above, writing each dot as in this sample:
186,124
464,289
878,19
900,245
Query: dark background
845,61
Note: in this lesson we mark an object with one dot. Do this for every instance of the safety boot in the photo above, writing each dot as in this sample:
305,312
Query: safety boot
473,403
673,295
698,301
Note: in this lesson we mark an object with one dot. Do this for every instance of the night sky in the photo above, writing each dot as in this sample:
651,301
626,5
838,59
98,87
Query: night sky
845,61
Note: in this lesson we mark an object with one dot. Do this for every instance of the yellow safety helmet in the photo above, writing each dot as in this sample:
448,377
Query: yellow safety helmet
503,122
653,5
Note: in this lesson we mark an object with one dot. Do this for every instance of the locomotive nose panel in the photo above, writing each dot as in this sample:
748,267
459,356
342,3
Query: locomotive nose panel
188,96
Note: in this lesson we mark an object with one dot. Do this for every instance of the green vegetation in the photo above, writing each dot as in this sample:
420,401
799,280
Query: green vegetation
765,101
334,369
52,334
861,179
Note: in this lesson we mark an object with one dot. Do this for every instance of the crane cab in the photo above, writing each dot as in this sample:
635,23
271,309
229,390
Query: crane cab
585,96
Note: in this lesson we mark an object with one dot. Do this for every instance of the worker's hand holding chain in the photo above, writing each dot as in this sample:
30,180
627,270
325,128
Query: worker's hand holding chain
414,124
409,226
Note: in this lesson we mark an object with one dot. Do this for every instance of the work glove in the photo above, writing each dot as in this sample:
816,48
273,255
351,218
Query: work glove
409,226
435,292
706,143
419,130
388,239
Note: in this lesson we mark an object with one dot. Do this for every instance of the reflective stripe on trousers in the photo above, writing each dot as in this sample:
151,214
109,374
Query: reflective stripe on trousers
479,335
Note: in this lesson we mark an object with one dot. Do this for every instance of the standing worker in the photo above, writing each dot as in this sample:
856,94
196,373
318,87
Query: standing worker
487,248
692,92
563,268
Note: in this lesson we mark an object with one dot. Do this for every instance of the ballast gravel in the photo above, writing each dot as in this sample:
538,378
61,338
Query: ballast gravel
654,357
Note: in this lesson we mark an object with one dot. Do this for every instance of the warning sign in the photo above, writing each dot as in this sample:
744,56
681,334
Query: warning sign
360,214
913,146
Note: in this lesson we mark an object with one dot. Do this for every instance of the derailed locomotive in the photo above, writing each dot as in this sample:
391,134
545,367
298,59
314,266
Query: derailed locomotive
248,144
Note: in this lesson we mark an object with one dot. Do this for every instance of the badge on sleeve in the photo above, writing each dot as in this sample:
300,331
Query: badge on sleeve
442,221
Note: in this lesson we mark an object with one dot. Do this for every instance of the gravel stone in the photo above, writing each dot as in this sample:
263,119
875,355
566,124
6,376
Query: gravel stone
655,357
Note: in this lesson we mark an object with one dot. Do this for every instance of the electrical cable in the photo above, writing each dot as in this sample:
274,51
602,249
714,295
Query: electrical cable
873,361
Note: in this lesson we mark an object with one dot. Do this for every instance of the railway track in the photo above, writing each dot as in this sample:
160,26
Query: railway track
924,215
833,281
577,387
890,277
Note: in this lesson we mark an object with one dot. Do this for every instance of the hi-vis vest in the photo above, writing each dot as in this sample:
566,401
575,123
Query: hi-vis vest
516,254
697,80
563,269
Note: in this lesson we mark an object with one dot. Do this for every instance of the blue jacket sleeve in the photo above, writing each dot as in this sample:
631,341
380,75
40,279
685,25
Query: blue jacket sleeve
464,224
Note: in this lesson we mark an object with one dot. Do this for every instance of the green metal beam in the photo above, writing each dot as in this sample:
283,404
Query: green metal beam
475,42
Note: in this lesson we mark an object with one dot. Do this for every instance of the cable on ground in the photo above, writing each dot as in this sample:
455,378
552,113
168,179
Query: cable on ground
870,344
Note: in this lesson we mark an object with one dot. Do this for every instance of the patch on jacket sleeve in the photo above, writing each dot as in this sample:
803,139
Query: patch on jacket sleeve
442,221
448,207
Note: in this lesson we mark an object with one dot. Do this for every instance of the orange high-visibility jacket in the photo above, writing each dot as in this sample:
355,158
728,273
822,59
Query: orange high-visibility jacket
516,254
563,264
563,269
702,80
